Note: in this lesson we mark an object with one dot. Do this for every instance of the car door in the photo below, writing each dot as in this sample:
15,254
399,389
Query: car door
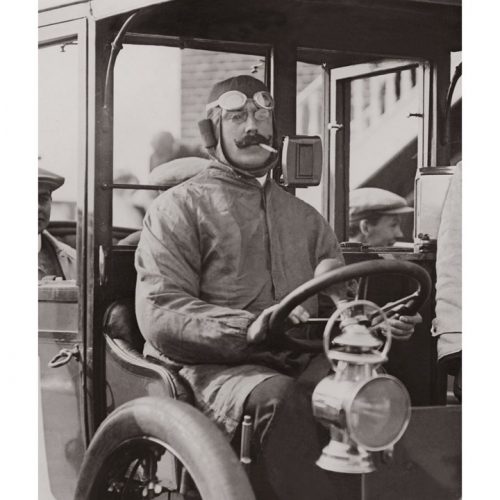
61,111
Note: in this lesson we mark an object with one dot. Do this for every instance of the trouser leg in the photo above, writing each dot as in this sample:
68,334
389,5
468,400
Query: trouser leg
287,441
262,405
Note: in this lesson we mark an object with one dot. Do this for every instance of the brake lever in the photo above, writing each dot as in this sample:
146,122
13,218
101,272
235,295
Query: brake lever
401,310
401,307
311,321
404,301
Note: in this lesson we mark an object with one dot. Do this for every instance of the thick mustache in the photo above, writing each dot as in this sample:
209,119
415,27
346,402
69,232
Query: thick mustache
252,140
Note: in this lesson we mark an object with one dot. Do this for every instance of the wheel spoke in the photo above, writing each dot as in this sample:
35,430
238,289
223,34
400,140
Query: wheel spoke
134,477
130,478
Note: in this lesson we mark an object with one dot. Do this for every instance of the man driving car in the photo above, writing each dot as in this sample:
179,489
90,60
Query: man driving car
216,254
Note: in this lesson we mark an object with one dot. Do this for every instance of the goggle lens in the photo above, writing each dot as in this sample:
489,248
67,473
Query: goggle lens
264,100
262,114
232,100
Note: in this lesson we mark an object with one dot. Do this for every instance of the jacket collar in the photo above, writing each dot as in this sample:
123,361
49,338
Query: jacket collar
217,155
228,172
65,255
56,244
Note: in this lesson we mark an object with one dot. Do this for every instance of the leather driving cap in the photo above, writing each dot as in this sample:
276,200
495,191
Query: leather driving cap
53,181
244,83
365,202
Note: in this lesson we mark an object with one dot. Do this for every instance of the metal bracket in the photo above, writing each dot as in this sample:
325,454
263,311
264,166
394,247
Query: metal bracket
64,356
335,126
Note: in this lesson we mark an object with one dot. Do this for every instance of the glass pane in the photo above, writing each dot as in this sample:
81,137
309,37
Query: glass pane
160,95
58,122
58,142
61,441
384,138
310,118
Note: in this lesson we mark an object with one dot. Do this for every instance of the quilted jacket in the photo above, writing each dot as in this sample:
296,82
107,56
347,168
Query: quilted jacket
214,252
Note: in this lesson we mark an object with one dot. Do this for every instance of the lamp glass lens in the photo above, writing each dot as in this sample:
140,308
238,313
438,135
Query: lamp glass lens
379,412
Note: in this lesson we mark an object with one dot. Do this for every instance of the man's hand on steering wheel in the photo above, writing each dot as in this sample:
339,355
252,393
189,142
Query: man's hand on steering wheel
299,315
257,331
402,326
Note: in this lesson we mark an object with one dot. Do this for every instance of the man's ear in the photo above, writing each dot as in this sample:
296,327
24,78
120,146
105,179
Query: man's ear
207,133
364,227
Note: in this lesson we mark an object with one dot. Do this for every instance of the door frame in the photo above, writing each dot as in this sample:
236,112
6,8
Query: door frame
51,31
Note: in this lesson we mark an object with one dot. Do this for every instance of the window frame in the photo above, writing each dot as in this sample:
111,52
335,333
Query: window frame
339,130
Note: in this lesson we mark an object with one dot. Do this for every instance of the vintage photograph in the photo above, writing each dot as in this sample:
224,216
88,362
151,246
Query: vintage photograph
250,249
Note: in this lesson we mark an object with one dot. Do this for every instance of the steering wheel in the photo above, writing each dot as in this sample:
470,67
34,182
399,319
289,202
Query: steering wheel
408,305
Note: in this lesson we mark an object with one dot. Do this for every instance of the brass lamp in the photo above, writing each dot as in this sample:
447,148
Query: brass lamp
365,411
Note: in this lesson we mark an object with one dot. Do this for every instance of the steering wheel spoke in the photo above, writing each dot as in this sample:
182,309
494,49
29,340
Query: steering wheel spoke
360,286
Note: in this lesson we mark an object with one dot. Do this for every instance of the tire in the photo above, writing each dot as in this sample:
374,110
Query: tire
147,427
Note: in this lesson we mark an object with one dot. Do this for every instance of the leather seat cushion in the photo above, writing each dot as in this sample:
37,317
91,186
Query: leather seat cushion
120,323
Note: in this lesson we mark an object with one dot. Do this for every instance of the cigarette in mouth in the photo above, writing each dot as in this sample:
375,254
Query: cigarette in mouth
268,148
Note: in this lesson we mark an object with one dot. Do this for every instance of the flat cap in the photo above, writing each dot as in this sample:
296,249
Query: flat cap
53,181
365,202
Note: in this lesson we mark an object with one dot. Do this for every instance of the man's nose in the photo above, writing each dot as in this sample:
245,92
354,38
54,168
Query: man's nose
398,233
250,123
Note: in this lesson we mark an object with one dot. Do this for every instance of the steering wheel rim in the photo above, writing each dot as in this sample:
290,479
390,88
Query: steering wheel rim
339,275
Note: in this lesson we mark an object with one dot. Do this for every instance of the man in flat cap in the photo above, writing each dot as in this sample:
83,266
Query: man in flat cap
216,254
55,258
374,216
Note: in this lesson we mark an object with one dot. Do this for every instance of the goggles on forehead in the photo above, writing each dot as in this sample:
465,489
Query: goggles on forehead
234,100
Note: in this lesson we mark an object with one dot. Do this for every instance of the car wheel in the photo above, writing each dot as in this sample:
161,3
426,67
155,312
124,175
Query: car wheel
132,452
